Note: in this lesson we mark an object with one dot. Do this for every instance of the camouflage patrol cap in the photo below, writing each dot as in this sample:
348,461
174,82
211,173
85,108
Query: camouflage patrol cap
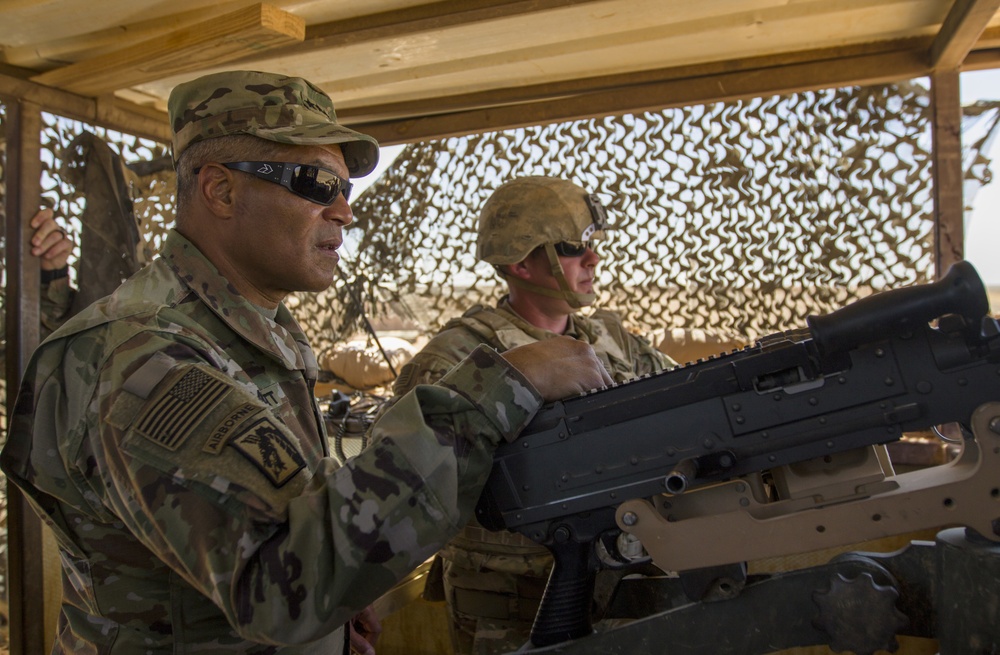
266,105
531,211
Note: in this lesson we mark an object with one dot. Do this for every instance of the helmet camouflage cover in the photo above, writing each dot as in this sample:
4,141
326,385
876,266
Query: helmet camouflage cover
528,212
266,105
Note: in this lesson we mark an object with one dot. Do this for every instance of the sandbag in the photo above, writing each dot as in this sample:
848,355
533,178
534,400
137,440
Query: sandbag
361,364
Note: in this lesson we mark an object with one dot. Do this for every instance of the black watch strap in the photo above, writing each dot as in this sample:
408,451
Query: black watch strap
52,276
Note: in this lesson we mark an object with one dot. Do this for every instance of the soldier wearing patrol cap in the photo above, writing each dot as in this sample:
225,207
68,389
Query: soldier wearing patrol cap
538,233
169,436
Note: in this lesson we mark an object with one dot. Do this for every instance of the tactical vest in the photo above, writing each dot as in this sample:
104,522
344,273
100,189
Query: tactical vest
478,549
603,330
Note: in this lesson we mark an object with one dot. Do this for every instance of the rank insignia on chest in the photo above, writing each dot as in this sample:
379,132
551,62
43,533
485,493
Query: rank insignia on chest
270,450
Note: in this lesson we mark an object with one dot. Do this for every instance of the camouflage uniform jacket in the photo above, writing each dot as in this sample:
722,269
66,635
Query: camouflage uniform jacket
169,436
624,354
57,298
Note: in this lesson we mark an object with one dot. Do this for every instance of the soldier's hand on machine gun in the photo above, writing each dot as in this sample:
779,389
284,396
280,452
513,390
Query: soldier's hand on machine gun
365,630
559,367
50,242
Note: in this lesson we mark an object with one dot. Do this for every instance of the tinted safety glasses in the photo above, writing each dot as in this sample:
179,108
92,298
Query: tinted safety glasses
571,248
319,185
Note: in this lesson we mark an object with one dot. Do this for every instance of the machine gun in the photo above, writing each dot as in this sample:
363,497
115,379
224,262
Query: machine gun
771,450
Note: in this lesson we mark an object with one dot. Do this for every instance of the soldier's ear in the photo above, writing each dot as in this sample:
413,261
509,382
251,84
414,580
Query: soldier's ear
216,186
525,269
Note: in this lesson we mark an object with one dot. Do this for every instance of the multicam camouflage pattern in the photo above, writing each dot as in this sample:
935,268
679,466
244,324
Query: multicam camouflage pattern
169,436
531,211
55,302
274,107
493,580
624,355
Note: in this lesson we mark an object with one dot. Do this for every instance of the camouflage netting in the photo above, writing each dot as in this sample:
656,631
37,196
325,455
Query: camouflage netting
738,217
741,217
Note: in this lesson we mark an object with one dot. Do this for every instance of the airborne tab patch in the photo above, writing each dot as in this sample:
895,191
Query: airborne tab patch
172,415
227,426
270,450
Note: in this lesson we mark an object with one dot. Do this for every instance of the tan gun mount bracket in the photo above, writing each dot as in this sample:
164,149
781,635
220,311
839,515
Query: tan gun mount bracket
729,522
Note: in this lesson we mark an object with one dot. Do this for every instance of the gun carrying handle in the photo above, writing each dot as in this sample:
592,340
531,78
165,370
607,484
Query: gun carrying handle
564,612
961,292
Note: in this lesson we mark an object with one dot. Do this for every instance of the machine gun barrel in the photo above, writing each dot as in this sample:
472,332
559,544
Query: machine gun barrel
860,376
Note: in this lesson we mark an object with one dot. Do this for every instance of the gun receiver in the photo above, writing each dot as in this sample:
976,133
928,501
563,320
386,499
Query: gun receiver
642,457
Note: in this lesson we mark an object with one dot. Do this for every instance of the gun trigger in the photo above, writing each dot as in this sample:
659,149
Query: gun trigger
616,550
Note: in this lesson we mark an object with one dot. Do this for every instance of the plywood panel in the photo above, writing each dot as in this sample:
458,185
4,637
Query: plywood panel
629,36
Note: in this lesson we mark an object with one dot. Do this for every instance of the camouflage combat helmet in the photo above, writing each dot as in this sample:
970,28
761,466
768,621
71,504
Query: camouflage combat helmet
266,105
532,212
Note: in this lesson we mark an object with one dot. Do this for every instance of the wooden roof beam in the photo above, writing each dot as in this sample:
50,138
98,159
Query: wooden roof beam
416,20
395,111
219,40
962,28
655,95
106,111
69,49
407,121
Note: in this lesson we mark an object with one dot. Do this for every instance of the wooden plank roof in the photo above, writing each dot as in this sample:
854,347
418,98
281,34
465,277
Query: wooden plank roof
407,70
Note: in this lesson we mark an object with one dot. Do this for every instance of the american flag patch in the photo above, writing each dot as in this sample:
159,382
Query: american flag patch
172,415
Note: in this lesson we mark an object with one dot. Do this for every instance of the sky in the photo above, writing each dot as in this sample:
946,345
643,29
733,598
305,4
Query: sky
982,233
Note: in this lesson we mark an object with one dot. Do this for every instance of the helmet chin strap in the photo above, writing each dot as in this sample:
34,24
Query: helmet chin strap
573,299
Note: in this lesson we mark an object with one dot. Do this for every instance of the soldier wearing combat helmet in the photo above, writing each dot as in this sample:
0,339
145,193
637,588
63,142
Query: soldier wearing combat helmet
169,435
538,233
552,214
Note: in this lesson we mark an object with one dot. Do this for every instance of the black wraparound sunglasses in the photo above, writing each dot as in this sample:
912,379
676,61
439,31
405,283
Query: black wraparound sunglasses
571,248
319,185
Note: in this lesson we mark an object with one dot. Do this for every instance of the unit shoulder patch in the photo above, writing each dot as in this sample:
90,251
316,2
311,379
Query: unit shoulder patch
268,448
